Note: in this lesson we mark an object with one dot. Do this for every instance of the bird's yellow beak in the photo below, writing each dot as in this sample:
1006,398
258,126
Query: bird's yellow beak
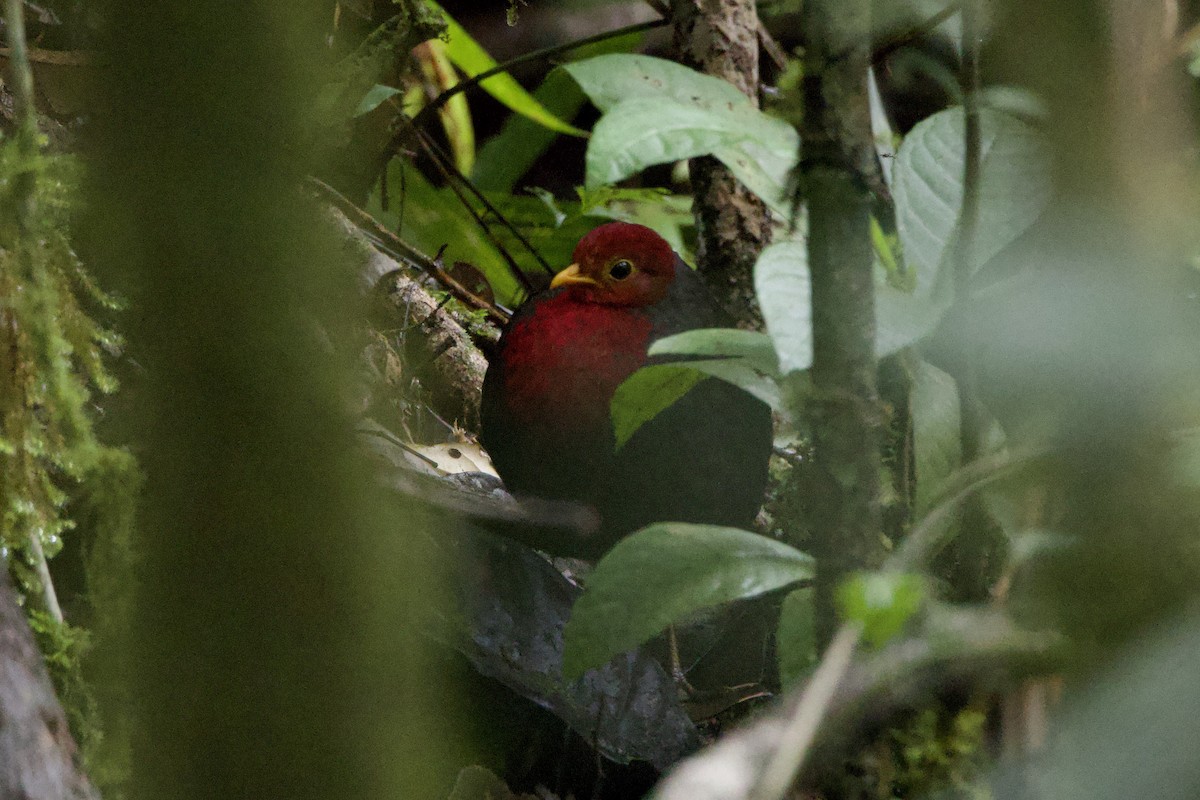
572,275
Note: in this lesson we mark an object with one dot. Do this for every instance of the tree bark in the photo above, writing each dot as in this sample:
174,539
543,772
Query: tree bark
845,414
719,37
38,757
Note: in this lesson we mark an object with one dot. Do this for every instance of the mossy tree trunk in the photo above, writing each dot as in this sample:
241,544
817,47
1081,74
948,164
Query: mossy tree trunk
846,418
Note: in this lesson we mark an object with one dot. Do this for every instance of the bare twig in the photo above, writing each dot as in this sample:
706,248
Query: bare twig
457,183
63,58
795,741
536,55
403,251
884,48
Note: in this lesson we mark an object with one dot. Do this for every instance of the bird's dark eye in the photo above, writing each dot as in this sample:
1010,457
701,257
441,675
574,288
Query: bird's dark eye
620,270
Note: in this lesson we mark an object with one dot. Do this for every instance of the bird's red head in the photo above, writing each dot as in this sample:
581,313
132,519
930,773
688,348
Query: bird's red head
620,264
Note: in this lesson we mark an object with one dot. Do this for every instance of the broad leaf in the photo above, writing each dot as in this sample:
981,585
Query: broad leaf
1014,188
784,288
641,132
662,574
472,59
651,390
744,375
657,111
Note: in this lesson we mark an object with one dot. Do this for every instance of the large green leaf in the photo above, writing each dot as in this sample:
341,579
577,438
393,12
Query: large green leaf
662,574
657,111
1014,188
472,59
651,390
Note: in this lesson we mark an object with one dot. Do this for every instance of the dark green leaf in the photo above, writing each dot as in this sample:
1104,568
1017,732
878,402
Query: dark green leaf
662,574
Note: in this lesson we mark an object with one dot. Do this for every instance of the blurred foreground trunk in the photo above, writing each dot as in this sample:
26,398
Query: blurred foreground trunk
269,653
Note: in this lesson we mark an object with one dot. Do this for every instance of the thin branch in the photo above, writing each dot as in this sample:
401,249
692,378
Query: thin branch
446,164
62,58
401,250
927,536
536,55
884,48
457,181
796,739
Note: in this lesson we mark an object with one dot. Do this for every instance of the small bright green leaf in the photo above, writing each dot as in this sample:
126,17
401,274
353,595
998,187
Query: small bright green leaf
472,59
646,393
937,442
882,602
611,79
781,281
796,637
753,346
1014,187
374,98
662,574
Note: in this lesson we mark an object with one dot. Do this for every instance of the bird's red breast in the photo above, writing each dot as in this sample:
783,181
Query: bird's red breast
563,362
